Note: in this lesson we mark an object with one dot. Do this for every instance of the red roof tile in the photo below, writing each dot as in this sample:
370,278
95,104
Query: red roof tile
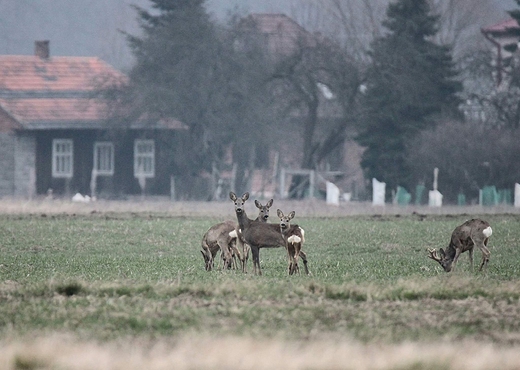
502,27
25,72
56,93
34,112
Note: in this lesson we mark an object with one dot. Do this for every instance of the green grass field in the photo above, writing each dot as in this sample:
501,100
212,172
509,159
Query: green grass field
118,282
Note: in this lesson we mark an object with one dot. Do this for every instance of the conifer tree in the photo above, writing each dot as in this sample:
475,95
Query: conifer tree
411,83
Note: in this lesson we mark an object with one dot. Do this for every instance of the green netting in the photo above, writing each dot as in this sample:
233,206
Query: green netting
489,196
419,194
403,197
505,196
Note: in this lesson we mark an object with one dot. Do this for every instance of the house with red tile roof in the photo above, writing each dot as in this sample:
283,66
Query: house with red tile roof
282,35
505,38
56,133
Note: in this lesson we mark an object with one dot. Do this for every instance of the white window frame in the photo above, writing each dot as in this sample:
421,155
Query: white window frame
62,158
104,158
144,158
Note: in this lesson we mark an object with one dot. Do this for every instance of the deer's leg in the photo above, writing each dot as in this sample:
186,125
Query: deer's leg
225,256
234,254
240,245
289,259
455,259
256,260
304,259
246,250
297,251
207,260
470,255
485,256
290,255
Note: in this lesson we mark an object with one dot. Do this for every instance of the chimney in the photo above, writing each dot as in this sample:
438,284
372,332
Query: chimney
41,49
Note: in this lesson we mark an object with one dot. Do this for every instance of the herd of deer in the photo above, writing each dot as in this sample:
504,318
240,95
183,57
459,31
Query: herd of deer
235,239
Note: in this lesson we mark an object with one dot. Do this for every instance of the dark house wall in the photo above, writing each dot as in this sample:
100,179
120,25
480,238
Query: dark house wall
123,181
7,144
83,159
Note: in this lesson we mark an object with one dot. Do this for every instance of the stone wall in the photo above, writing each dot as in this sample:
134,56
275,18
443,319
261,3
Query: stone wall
25,166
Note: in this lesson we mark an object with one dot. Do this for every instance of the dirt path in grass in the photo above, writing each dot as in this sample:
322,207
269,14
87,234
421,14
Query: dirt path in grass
224,209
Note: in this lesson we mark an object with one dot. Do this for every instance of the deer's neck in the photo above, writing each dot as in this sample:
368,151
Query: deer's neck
451,251
243,220
288,230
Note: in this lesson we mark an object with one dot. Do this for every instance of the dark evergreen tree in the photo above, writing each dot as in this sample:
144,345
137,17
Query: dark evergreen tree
176,74
411,83
188,69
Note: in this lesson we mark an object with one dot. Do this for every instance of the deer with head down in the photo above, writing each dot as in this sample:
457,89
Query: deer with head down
294,239
218,238
474,232
258,234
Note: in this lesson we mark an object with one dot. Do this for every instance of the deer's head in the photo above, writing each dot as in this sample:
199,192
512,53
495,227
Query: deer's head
239,202
263,215
443,260
285,221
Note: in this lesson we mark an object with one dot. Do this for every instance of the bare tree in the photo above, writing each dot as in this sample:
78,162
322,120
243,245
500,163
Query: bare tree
451,148
460,23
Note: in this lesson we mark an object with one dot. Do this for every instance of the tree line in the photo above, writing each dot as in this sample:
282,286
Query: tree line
396,89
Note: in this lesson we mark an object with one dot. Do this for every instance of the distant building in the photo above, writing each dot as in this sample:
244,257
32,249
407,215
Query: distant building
505,38
282,38
56,134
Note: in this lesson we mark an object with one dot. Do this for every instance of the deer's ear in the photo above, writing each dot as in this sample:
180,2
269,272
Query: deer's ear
232,196
245,196
279,213
291,215
441,251
269,204
258,205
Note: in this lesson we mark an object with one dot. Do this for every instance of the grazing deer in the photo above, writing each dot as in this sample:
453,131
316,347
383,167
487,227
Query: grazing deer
257,234
217,238
242,246
294,239
475,232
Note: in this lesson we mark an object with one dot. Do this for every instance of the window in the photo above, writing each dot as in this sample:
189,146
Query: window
104,158
144,158
62,158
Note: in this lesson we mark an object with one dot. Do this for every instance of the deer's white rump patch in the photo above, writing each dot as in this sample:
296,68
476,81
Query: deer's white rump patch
487,231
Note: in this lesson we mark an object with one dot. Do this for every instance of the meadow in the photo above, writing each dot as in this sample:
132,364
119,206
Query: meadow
113,290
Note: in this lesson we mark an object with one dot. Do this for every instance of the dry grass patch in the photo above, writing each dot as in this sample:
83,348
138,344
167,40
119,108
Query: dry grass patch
204,352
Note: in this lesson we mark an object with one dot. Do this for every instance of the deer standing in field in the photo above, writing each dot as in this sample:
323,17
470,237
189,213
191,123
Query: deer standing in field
218,238
475,232
224,236
294,239
263,215
257,234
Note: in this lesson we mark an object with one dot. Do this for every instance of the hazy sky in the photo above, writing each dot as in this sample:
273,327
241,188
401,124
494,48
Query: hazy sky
92,27
220,7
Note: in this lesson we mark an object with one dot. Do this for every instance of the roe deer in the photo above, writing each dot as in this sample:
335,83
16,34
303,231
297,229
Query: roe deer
242,246
217,238
257,234
475,232
294,239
